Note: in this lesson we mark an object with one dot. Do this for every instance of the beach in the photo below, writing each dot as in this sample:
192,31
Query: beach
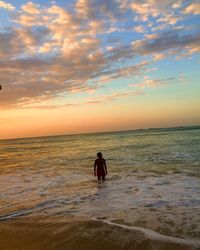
85,235
49,198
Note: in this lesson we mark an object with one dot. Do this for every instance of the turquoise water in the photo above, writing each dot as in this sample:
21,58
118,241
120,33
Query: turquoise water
153,178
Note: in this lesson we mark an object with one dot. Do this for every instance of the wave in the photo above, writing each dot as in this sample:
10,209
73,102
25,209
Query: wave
80,234
150,234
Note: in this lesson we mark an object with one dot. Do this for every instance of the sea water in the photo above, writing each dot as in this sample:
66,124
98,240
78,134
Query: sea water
152,182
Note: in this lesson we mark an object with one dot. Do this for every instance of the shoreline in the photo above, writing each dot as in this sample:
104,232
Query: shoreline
79,233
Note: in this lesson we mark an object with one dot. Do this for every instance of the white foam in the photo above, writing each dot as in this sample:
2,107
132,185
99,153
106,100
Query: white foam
152,234
14,215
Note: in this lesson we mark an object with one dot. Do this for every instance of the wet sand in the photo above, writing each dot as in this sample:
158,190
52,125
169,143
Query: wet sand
21,234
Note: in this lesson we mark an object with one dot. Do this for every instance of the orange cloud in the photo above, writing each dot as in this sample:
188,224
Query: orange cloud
193,8
139,29
6,6
31,8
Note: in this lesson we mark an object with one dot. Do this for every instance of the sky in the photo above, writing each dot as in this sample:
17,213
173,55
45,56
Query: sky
97,65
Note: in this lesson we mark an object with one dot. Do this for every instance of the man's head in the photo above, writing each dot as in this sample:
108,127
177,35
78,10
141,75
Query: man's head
99,155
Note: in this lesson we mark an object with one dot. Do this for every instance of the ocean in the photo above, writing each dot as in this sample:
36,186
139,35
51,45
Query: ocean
151,196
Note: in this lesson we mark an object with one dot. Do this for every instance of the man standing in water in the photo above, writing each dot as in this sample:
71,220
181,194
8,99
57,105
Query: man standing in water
100,168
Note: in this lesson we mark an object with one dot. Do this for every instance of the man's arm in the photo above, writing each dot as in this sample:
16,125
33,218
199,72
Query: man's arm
95,167
105,166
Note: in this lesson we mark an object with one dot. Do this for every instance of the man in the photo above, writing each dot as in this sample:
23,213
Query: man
100,168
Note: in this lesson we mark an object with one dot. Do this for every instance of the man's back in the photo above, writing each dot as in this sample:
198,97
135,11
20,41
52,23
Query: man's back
100,162
100,168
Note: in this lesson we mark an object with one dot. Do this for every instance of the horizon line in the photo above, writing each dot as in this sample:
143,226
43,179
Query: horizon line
103,132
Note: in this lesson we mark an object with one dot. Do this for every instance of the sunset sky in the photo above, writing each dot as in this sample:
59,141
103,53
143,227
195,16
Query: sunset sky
98,65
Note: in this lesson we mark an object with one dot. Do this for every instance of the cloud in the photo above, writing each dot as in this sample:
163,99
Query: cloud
152,83
6,6
31,8
144,9
177,5
193,8
95,9
46,106
183,79
151,36
121,72
164,42
169,19
160,10
158,56
50,51
139,29
114,96
31,15
37,78
83,7
92,100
